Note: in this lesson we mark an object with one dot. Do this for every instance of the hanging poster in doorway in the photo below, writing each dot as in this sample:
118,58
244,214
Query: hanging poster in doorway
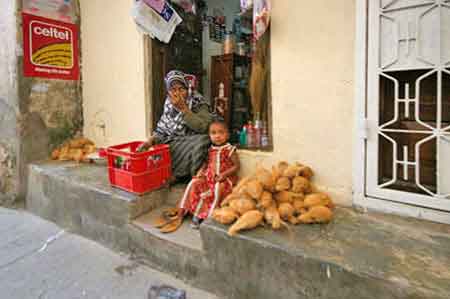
50,48
61,10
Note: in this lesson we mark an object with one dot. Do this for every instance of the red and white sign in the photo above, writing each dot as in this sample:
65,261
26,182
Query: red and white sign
50,48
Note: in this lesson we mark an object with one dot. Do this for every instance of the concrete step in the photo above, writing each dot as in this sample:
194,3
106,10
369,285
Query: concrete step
180,253
356,256
80,198
175,194
185,236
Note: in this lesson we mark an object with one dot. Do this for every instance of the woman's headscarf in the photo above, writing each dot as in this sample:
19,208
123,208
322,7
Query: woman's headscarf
175,76
171,123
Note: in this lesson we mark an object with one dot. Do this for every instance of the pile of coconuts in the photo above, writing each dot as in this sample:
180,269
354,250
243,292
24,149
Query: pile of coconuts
278,197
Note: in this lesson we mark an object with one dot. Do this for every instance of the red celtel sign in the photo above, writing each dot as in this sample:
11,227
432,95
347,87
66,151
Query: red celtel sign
50,48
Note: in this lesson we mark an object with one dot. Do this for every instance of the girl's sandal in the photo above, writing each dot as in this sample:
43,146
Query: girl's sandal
170,212
172,226
161,221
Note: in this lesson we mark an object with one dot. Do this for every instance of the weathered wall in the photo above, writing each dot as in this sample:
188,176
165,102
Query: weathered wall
8,103
35,114
113,73
312,84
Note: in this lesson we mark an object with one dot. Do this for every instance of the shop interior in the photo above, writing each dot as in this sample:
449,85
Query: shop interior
216,45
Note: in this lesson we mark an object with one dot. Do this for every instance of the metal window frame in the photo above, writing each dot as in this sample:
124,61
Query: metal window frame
360,199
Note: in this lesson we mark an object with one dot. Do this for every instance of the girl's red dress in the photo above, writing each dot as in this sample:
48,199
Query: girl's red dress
200,196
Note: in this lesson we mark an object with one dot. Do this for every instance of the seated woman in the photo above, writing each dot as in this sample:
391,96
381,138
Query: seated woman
183,125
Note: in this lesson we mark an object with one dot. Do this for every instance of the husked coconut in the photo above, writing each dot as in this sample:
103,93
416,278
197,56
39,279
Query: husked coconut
76,154
241,184
242,205
79,142
272,216
249,220
299,206
254,188
266,200
300,185
306,172
283,184
294,220
282,165
297,196
55,154
283,196
317,199
64,153
225,215
264,176
226,201
276,174
291,171
316,214
286,210
89,149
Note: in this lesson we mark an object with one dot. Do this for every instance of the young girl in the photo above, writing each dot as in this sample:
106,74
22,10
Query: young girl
215,179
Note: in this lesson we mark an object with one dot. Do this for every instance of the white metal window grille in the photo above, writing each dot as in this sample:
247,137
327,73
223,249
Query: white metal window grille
408,144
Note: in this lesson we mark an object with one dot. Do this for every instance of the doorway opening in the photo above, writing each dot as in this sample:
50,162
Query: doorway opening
231,70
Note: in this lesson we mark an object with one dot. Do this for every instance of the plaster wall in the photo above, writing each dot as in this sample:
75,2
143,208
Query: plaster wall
9,102
114,103
313,91
35,114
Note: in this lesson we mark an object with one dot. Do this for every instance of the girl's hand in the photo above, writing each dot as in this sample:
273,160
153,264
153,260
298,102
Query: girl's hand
220,178
200,173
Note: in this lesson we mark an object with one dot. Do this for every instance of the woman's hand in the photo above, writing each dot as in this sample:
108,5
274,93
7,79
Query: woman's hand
178,101
144,146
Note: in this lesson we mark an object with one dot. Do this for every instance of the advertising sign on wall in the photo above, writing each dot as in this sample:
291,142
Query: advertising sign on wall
50,48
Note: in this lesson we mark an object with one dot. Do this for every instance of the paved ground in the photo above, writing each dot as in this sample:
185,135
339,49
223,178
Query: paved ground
39,260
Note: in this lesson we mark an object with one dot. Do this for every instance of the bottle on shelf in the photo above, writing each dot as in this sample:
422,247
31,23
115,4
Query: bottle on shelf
243,136
257,132
250,135
221,103
264,135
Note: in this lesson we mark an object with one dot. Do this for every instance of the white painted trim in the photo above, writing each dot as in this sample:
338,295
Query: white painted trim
360,200
390,207
359,144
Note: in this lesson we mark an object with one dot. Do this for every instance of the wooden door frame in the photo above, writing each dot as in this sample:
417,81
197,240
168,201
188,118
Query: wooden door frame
150,48
148,84
360,198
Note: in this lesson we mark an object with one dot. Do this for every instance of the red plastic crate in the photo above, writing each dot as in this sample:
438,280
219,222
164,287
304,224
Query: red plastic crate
141,172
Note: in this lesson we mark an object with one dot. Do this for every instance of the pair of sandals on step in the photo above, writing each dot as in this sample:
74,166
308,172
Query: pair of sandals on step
171,219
